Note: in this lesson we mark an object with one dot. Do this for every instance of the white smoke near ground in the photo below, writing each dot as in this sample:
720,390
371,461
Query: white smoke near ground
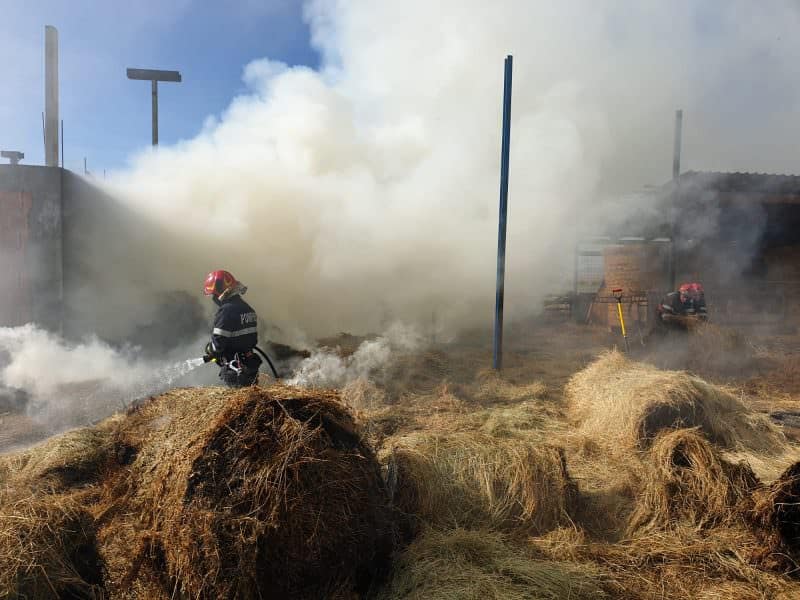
70,384
327,368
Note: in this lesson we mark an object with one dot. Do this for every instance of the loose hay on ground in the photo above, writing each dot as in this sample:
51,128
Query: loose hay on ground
474,480
484,565
623,404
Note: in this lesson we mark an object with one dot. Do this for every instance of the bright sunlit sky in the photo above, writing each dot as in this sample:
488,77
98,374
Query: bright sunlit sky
106,116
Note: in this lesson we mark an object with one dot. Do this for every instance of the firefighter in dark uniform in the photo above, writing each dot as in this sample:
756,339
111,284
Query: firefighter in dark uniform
234,333
689,302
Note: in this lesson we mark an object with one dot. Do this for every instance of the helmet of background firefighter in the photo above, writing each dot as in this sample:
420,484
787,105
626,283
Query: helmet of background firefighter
692,291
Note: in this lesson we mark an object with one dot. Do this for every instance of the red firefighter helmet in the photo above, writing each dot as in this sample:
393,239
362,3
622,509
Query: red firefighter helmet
219,282
691,290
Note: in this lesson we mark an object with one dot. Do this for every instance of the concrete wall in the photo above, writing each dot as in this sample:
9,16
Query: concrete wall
78,262
118,270
39,241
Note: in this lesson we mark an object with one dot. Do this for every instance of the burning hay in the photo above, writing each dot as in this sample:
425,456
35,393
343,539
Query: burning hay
624,404
474,480
688,483
201,493
483,565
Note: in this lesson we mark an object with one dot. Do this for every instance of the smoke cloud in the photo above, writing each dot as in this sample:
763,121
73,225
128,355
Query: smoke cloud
366,192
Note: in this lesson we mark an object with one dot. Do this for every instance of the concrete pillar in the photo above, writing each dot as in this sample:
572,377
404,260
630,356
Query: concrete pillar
51,96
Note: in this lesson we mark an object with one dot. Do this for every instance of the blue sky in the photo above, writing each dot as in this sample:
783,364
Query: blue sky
106,116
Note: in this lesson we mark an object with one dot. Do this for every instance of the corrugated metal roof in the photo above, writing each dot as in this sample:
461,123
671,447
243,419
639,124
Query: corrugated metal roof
763,183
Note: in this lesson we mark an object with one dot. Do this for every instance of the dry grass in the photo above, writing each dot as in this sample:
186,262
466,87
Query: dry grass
474,480
484,565
688,483
624,404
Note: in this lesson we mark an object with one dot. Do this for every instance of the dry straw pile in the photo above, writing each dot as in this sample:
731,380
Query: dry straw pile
623,405
202,494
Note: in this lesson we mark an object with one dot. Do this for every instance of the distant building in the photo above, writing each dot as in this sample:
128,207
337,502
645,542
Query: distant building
737,233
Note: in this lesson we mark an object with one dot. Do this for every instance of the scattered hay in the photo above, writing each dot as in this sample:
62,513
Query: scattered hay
474,480
688,483
493,388
362,394
416,373
624,404
776,516
483,565
688,563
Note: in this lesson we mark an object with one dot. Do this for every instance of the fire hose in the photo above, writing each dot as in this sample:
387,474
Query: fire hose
208,358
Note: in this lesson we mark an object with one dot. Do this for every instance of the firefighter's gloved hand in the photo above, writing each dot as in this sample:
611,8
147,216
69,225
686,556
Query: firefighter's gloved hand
210,354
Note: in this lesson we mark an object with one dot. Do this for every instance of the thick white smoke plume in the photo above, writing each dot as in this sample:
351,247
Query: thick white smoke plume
328,368
367,191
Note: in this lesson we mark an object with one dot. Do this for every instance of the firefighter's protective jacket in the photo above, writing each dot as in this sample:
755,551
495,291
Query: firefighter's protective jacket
235,328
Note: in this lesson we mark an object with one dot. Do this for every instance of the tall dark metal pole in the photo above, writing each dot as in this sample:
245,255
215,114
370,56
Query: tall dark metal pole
676,193
155,112
676,149
497,354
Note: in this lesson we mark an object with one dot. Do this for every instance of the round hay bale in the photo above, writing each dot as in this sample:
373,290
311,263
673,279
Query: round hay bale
624,404
776,515
471,480
248,494
688,482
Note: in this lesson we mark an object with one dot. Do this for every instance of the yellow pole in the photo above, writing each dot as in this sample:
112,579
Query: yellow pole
622,322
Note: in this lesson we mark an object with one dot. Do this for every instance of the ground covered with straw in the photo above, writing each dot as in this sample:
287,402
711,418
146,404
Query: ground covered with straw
579,472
